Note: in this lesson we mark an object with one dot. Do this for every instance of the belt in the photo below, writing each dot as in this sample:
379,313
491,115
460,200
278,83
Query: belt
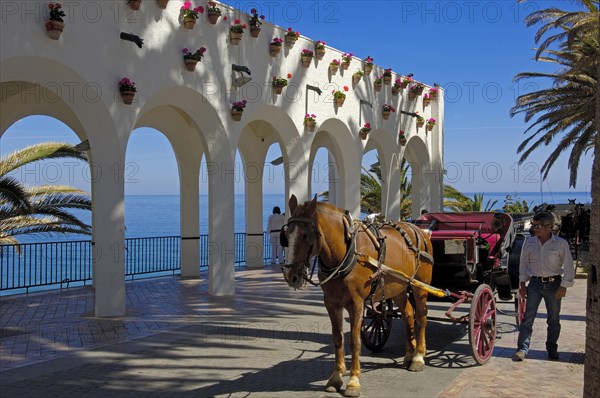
545,279
275,230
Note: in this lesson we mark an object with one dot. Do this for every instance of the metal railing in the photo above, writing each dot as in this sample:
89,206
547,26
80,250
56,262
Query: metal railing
59,264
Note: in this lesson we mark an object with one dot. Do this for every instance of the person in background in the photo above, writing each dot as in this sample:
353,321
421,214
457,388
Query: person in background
547,264
274,225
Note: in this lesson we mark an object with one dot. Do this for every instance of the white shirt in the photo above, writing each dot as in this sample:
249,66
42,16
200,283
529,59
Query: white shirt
551,258
275,222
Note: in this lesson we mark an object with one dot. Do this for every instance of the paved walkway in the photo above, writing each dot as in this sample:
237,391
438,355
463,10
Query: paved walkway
267,341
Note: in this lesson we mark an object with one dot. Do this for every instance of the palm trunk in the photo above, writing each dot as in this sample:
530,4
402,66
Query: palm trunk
591,387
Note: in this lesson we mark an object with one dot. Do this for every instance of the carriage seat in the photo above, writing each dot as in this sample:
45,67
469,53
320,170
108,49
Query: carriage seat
454,234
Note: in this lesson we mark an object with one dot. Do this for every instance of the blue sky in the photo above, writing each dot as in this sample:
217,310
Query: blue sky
473,49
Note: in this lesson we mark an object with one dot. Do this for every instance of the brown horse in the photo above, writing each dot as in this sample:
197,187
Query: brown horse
347,279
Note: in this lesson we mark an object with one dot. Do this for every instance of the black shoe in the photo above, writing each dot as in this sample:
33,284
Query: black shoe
552,355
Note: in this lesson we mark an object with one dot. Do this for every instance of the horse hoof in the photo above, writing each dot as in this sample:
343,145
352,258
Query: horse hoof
352,392
333,386
416,367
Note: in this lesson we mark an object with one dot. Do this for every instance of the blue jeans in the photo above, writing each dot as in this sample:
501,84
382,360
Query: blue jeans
536,290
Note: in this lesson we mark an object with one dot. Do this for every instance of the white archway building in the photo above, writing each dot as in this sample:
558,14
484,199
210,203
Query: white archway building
74,79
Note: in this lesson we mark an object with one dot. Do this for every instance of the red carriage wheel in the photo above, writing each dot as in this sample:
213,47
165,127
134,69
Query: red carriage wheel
377,324
482,324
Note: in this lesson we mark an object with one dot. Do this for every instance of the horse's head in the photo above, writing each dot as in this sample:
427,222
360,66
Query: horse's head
300,238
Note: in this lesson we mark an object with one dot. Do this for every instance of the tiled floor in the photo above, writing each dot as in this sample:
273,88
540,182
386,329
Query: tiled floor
176,340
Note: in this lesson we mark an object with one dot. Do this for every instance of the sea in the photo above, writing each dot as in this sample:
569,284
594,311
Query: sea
158,215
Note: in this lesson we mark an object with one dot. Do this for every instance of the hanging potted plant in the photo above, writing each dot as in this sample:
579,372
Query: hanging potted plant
402,138
339,96
189,15
280,82
310,122
433,93
127,89
291,37
364,131
191,59
213,12
255,23
415,90
430,124
334,65
346,59
356,76
378,83
134,4
426,99
320,49
306,57
387,76
275,47
406,80
236,31
396,87
368,65
386,110
237,109
56,23
420,120
162,4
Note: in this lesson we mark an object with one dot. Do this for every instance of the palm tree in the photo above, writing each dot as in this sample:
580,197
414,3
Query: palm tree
457,201
371,184
39,209
569,108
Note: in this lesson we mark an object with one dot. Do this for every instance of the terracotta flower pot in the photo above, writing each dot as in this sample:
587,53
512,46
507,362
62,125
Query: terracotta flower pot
385,114
190,64
340,102
419,90
345,65
430,126
368,69
404,84
162,4
395,91
274,50
134,4
290,41
387,80
235,37
426,101
213,17
402,140
433,96
306,61
319,53
412,95
189,22
54,29
363,135
420,123
310,125
127,96
356,78
333,69
236,115
377,87
278,88
254,32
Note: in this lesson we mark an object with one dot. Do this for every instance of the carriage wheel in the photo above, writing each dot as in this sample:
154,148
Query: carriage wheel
520,304
377,325
482,324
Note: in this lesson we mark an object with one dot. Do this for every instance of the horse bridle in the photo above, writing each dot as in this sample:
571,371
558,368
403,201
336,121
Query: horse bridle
312,234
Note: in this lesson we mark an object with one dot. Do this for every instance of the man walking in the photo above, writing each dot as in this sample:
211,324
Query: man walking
547,264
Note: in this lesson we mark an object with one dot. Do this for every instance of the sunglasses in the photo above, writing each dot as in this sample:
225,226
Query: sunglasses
537,226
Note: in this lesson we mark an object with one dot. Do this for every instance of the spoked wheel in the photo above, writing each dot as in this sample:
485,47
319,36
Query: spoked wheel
520,304
377,324
482,324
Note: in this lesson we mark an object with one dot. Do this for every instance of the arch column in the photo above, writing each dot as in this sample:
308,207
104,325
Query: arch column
221,249
190,218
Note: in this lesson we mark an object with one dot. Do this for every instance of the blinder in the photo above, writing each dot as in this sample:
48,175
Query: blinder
283,240
310,232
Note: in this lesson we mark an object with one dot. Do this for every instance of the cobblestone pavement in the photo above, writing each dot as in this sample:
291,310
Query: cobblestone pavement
267,341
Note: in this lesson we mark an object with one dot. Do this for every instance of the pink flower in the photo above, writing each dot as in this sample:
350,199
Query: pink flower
237,21
289,75
253,11
186,5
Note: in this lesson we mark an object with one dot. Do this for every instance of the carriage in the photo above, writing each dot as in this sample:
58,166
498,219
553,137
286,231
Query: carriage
476,260
366,268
